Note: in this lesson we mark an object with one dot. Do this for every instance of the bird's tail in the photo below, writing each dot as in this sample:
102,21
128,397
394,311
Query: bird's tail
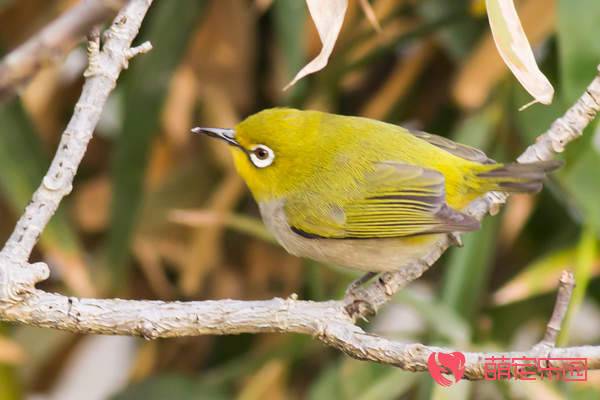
525,178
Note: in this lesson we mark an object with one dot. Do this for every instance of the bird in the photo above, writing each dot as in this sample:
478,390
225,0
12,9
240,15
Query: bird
360,193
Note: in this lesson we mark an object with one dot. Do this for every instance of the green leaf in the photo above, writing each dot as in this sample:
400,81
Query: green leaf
390,385
351,379
10,386
468,267
539,277
171,387
289,20
579,55
458,38
445,321
581,181
536,119
579,49
587,252
168,28
459,391
327,386
477,130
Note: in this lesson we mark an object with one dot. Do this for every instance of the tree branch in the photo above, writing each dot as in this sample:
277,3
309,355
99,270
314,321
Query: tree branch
328,321
52,43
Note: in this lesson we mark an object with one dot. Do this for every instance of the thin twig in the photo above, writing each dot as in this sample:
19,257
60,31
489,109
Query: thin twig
52,43
563,298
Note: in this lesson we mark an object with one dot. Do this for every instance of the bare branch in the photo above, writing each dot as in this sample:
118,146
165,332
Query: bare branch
52,43
327,321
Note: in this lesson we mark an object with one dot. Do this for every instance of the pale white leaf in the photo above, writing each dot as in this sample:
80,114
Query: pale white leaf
328,16
515,50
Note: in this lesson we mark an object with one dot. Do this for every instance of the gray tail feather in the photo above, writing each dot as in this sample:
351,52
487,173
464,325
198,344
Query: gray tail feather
517,177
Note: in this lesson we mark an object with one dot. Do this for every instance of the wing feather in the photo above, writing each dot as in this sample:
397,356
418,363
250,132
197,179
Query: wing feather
393,200
457,149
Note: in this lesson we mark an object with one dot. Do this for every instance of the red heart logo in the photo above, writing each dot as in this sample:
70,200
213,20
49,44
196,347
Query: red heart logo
439,363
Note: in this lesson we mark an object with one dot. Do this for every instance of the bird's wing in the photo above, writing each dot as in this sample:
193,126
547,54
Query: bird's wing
393,200
457,149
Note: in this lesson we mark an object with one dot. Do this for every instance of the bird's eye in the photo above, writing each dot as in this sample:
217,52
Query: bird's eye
261,153
262,156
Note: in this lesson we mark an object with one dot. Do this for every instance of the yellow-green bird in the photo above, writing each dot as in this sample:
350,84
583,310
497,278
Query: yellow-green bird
361,193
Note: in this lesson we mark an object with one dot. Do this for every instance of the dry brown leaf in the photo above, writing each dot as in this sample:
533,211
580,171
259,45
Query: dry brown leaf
370,14
267,382
196,218
39,99
400,80
539,277
72,269
514,48
23,18
170,247
205,249
218,111
145,361
148,255
328,18
263,5
515,216
224,57
51,92
228,283
389,34
477,8
91,204
162,162
11,352
270,271
484,68
178,112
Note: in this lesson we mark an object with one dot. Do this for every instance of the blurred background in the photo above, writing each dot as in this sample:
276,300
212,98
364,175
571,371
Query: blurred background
157,213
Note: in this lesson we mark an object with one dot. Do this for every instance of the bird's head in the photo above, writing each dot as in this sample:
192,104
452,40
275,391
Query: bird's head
276,151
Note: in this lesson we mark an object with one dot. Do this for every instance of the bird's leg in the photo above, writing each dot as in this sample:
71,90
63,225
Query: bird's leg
356,307
366,300
353,287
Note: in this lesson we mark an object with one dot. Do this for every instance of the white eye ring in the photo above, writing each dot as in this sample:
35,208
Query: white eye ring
262,156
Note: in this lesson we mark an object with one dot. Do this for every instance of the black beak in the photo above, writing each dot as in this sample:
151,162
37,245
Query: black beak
227,135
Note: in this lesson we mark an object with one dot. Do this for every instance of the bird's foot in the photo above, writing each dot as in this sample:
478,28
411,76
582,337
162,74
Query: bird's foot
357,305
358,308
